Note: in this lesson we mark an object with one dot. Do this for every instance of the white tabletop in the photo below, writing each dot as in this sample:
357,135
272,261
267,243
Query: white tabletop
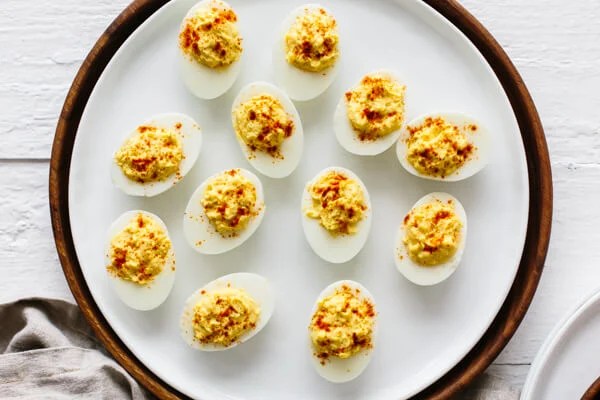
555,44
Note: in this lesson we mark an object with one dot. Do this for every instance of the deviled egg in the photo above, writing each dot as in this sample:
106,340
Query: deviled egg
431,239
342,331
336,212
268,129
443,146
227,311
224,211
369,117
306,53
156,155
140,260
210,48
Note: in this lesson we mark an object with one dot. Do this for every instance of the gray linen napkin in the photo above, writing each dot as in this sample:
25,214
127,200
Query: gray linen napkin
48,351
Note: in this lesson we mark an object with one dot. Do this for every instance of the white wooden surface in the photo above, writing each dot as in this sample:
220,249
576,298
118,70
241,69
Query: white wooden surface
554,43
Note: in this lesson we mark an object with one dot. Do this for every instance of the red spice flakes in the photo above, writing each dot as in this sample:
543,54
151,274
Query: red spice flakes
370,309
142,164
328,44
371,115
188,38
430,249
429,122
288,129
306,48
219,49
144,128
322,325
441,215
229,15
350,212
377,91
225,313
466,151
120,258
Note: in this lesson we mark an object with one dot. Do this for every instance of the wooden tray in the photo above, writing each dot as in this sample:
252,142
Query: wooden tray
540,194
593,391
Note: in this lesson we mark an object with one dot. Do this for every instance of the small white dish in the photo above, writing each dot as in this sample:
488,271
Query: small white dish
567,363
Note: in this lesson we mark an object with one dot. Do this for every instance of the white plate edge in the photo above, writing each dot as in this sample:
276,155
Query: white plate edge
553,340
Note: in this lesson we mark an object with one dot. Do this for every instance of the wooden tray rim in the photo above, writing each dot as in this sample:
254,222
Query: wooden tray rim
593,392
539,224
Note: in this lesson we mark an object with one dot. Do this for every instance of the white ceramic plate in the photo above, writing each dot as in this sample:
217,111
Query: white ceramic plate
423,332
567,363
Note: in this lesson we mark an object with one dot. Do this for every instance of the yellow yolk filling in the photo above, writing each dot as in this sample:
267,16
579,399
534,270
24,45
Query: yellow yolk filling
432,233
338,202
375,107
311,43
223,316
229,202
437,148
262,123
211,36
152,155
138,253
342,325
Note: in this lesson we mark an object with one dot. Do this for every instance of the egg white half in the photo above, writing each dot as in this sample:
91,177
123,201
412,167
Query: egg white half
141,297
202,81
190,135
255,285
291,148
339,370
480,138
340,248
347,137
199,232
430,275
300,85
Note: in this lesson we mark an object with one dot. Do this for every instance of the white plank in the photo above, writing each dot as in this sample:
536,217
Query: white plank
553,43
503,377
571,271
29,262
42,44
